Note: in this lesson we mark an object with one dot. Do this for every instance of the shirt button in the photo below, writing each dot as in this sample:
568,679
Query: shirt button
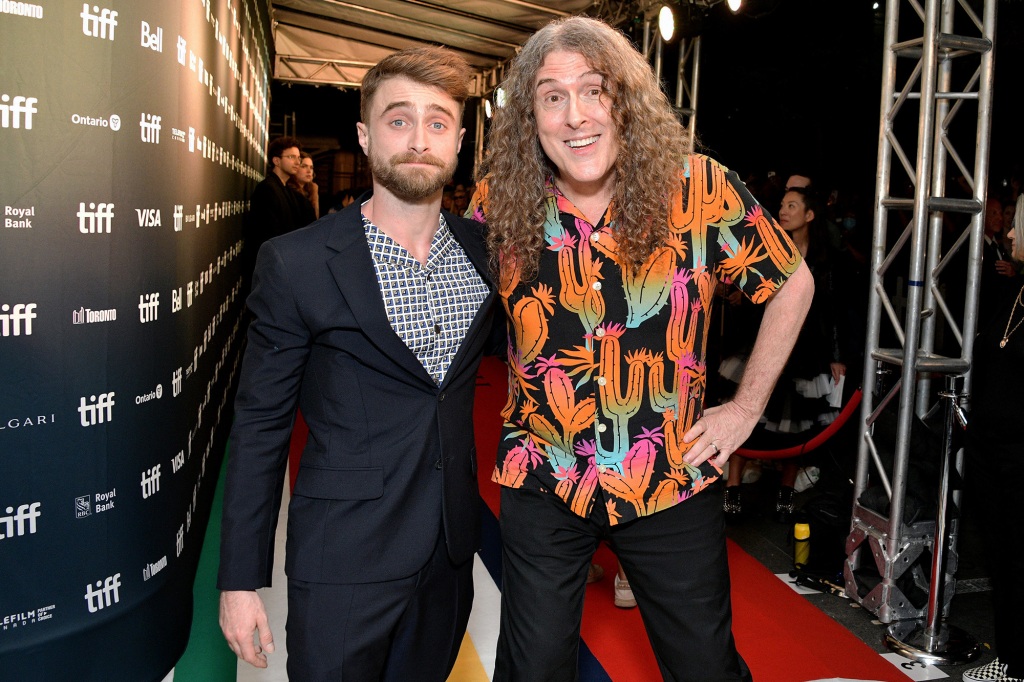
601,428
440,398
437,464
596,237
599,331
600,468
596,286
601,381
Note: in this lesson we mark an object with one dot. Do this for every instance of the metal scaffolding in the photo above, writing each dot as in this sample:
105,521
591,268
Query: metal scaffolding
938,55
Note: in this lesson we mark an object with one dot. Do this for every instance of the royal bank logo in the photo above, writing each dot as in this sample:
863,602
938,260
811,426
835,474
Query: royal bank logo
20,522
106,593
97,410
21,9
96,219
179,214
149,307
90,316
19,218
148,217
150,482
16,320
153,39
149,127
83,506
17,111
98,23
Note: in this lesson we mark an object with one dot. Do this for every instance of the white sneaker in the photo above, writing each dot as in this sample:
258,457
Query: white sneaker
993,671
806,477
624,598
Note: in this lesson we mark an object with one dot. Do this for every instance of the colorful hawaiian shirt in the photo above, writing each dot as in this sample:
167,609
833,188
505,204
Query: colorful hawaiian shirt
606,366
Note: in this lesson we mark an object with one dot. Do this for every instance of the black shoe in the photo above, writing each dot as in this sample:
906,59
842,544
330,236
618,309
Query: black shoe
733,504
784,506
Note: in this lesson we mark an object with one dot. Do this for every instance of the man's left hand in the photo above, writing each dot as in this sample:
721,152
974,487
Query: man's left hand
719,433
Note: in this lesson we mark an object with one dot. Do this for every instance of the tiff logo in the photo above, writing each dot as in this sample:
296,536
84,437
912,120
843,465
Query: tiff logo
11,320
105,594
96,23
149,307
11,112
150,126
97,220
97,411
154,40
13,525
150,482
176,383
179,214
181,50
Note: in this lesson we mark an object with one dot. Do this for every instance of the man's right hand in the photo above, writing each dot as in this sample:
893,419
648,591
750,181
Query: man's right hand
241,614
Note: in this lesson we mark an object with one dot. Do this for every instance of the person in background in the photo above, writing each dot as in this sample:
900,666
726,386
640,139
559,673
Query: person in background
995,466
302,182
373,320
274,208
607,235
800,402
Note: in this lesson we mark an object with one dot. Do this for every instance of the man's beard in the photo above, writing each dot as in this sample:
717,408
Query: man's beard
411,184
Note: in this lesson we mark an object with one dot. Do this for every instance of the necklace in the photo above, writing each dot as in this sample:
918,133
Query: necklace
1007,332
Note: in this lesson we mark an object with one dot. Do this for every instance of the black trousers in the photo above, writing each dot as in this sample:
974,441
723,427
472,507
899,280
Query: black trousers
395,631
677,567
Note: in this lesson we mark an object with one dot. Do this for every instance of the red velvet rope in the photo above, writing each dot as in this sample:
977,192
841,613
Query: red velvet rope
813,443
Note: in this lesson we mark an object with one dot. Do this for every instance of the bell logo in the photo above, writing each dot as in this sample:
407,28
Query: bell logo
17,318
14,111
97,410
96,220
148,217
105,594
96,23
154,40
150,126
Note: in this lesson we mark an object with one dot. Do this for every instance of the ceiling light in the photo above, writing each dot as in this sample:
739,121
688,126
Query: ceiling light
666,23
734,5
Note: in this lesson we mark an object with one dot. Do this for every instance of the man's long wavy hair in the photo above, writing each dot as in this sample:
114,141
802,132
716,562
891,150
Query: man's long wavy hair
652,147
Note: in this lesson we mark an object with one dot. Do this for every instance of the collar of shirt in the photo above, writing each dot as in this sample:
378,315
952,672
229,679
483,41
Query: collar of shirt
386,250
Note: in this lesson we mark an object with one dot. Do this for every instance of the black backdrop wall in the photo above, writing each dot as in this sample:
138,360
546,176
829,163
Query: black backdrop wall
131,133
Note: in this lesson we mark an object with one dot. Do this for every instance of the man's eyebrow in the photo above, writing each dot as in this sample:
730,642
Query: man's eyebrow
406,104
543,81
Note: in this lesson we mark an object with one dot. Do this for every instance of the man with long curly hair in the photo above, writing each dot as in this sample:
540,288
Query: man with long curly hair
608,236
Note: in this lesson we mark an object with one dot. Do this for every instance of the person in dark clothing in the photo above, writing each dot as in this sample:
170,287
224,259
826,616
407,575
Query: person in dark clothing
274,208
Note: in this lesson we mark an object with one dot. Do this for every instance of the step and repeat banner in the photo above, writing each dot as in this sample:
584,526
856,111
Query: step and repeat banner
132,132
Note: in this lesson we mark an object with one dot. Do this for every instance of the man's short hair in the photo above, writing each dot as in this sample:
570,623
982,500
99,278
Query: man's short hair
277,147
436,67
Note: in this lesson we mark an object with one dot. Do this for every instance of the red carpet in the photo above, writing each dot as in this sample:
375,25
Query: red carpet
781,635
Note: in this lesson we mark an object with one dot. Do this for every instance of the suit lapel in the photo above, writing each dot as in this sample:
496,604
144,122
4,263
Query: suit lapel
475,249
353,271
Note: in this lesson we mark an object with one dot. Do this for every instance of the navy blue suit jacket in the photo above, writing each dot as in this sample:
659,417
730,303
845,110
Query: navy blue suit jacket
390,462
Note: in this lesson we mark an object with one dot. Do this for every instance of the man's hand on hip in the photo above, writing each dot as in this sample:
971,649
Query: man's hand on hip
242,614
719,433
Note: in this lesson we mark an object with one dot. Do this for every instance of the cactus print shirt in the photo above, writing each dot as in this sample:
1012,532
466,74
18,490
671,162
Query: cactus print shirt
606,367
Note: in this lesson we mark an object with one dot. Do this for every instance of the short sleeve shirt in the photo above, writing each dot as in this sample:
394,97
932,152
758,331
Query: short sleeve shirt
606,366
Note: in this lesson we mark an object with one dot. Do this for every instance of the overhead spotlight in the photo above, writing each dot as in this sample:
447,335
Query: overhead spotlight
499,97
734,5
874,6
487,108
666,23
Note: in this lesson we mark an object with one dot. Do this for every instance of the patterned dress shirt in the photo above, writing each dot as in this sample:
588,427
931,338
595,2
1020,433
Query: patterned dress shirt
429,306
606,367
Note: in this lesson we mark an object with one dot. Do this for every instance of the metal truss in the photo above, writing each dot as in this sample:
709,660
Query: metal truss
939,57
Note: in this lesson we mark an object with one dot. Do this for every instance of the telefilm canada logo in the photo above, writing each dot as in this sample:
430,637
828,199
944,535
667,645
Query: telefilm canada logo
13,621
17,111
16,319
98,23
